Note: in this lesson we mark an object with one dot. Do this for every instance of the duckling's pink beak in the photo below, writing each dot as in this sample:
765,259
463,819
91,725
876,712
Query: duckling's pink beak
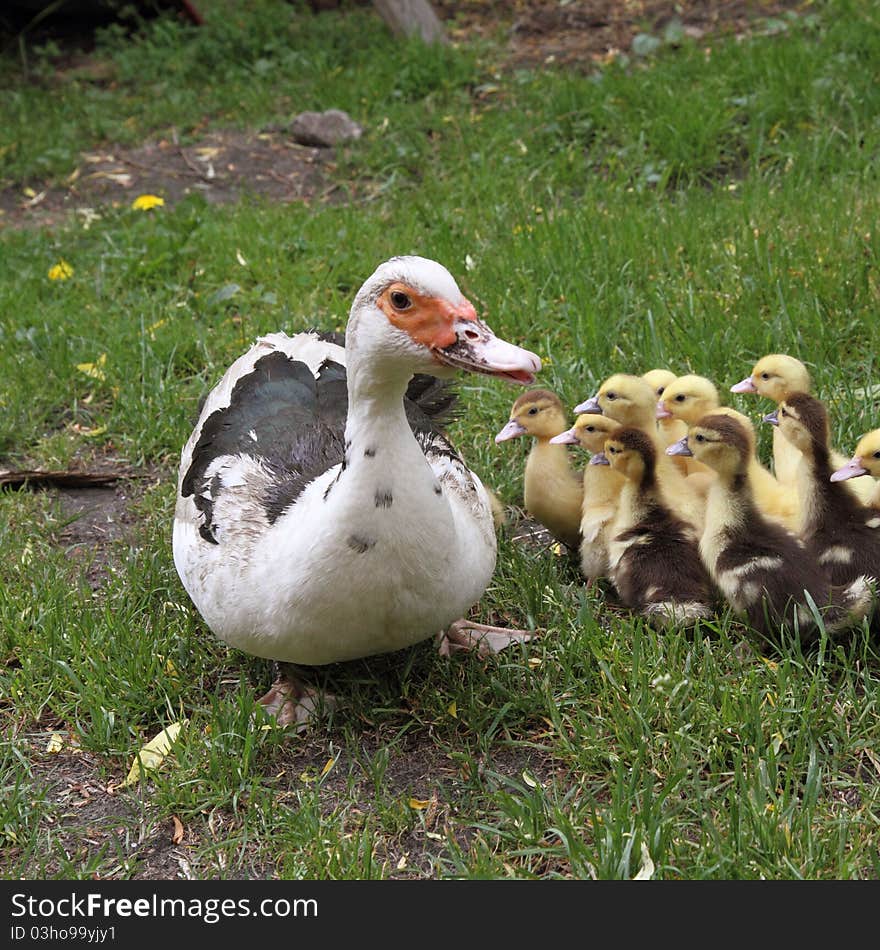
511,431
746,385
600,458
565,438
679,448
772,418
662,411
852,469
478,350
590,406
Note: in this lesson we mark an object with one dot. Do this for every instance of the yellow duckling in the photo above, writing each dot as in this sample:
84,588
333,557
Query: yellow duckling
602,485
654,561
762,569
631,401
552,490
691,397
776,376
671,429
866,461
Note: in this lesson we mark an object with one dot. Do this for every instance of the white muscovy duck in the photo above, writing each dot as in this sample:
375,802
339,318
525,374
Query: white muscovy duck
321,514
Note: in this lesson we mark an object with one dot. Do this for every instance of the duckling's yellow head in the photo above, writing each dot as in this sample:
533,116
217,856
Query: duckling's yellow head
688,398
631,452
589,431
866,461
629,400
775,376
658,380
718,440
803,420
538,413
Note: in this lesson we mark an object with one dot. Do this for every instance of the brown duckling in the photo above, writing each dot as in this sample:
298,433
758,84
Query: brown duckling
776,376
760,567
866,461
845,533
691,397
552,490
631,401
602,485
654,561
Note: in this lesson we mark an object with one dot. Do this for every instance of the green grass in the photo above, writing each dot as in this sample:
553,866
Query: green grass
680,210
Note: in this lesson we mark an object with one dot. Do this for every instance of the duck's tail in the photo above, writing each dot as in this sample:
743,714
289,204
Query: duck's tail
850,604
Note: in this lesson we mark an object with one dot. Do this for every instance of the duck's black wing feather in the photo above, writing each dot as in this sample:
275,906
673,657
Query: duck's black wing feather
293,422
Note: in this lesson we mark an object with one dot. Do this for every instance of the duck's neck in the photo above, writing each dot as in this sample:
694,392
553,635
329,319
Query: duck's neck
822,500
729,505
376,416
547,459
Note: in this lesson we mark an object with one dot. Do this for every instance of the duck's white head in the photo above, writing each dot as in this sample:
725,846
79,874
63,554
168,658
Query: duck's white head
410,317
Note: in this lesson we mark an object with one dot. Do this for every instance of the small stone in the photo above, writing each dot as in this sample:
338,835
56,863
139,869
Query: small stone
324,129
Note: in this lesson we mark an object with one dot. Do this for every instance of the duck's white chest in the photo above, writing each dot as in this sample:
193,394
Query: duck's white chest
359,565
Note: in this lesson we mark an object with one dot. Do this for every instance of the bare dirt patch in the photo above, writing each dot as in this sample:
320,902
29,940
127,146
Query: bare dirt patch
223,166
581,33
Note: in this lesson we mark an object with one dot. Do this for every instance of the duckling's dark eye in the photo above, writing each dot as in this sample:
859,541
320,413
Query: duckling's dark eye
593,429
400,300
680,398
877,455
661,390
612,450
783,412
611,396
700,438
533,411
765,376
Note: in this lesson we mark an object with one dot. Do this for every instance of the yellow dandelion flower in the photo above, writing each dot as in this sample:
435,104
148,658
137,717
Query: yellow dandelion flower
61,271
96,369
146,202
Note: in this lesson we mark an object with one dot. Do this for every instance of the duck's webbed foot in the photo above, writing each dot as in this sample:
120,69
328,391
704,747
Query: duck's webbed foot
291,701
486,640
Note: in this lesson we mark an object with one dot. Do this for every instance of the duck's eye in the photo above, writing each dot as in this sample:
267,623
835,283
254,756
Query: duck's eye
400,300
533,411
783,412
612,450
680,397
611,396
661,390
700,438
593,429
765,376
877,455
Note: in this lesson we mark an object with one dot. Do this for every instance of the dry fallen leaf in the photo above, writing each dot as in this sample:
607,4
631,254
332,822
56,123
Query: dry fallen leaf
55,743
419,804
177,837
153,754
646,871
327,766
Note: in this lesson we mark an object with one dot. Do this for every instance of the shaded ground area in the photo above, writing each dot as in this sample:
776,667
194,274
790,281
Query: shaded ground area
92,817
225,165
580,33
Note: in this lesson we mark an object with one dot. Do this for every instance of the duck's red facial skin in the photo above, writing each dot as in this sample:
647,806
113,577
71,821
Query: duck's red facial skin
429,321
454,334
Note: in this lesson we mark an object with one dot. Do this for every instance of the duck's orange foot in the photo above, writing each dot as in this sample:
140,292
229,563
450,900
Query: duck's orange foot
292,703
486,640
